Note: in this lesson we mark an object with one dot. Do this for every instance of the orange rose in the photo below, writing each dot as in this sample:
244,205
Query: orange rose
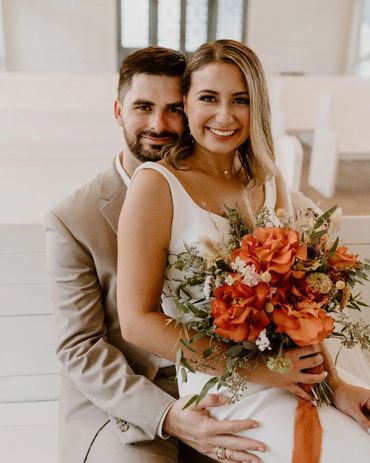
271,249
305,324
238,311
342,259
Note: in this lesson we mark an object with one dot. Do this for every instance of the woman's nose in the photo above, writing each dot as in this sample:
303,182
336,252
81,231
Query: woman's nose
224,114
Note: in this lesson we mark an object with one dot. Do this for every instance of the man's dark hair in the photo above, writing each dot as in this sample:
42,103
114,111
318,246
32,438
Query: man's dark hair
151,60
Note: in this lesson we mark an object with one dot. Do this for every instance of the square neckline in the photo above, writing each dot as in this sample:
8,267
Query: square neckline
158,167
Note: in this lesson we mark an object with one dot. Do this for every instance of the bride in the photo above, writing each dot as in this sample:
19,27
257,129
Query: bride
225,157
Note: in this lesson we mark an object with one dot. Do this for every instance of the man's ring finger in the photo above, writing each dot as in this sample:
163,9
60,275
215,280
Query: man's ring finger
221,453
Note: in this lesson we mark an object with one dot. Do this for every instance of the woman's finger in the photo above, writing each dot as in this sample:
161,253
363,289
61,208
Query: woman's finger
310,362
298,391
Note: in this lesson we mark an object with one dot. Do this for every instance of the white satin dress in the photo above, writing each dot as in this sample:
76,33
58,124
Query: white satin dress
343,439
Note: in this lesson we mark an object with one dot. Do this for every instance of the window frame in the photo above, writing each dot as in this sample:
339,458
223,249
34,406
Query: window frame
122,52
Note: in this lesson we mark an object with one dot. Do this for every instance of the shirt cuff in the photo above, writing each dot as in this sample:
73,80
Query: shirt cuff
160,432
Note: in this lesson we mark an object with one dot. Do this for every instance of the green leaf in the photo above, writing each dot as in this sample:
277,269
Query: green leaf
207,352
186,364
334,247
187,345
209,385
184,375
190,402
234,350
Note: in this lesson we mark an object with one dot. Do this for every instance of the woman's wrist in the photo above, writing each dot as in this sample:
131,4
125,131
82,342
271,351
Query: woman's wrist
333,378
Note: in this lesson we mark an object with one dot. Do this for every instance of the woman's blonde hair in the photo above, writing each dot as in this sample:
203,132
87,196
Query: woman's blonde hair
256,154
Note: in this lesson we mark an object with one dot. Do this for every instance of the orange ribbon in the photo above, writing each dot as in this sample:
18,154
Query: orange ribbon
307,433
307,428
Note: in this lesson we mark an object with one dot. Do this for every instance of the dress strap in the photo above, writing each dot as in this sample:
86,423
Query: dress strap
173,182
270,194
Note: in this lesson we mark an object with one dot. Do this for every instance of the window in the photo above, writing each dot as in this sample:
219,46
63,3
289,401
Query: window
179,24
362,61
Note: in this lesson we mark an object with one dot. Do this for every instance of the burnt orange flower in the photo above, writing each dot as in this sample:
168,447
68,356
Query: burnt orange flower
305,323
342,259
238,311
271,249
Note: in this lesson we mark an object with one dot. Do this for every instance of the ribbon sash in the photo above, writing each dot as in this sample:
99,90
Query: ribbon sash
307,433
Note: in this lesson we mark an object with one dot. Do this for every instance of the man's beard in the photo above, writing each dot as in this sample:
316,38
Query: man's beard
147,152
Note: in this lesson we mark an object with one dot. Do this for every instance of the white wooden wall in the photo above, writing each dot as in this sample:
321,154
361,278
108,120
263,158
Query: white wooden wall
57,132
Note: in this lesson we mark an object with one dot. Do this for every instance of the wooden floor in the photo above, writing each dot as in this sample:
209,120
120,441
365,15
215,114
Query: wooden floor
353,187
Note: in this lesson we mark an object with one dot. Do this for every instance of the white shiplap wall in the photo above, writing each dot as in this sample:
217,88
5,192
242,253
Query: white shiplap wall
309,36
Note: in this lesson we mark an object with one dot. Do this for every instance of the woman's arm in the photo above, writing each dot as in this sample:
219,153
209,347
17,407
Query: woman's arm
352,400
144,234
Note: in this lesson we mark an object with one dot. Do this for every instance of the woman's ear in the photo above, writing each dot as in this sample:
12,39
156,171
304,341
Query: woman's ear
118,112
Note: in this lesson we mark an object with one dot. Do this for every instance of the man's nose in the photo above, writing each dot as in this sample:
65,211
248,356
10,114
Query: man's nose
158,122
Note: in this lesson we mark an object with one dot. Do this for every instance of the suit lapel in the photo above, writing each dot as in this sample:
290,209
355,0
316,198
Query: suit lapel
112,191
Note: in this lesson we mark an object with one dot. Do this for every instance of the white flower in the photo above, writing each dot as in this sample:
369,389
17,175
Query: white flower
263,341
218,282
248,272
229,280
238,265
207,287
251,277
273,291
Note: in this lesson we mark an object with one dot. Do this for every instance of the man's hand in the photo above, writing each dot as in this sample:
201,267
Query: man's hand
354,401
196,428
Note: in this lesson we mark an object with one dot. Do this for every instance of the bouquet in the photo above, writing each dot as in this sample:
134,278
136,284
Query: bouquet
277,282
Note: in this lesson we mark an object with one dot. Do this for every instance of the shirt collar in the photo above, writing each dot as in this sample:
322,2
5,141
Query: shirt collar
121,171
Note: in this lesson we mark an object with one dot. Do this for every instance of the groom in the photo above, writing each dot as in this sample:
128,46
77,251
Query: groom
115,401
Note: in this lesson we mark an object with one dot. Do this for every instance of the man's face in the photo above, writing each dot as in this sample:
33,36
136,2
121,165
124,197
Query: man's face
151,114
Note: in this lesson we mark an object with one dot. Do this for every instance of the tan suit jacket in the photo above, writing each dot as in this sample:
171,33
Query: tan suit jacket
102,375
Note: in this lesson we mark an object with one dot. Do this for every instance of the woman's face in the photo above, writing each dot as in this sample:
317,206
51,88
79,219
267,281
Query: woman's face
217,107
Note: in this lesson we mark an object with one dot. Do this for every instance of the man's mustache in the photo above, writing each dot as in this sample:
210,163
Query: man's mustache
151,134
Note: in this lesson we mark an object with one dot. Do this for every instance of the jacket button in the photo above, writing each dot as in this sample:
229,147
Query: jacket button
124,427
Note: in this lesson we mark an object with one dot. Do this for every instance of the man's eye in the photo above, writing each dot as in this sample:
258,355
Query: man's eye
207,98
176,110
143,107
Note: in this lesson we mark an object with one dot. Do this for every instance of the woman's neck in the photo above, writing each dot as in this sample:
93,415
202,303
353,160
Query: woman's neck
225,165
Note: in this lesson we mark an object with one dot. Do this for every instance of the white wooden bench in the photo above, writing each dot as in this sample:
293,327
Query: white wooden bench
289,159
341,131
29,379
335,110
355,233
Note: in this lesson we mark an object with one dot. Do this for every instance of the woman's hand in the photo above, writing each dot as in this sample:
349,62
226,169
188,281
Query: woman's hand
302,358
354,401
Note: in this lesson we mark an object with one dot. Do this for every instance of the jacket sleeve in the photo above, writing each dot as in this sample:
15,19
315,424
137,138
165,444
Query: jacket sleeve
92,365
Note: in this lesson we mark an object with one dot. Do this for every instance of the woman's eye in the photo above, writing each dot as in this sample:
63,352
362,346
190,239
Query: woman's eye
207,98
242,101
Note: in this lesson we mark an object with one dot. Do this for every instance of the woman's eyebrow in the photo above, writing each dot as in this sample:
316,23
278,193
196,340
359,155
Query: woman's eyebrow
213,92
